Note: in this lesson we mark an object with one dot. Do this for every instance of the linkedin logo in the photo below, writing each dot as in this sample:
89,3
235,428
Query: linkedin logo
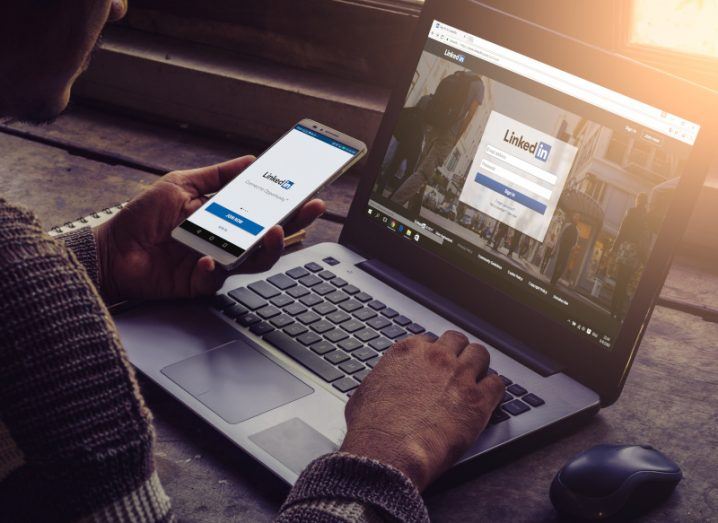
542,151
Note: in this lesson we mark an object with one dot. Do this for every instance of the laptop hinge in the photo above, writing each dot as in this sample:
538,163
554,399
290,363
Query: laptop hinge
466,320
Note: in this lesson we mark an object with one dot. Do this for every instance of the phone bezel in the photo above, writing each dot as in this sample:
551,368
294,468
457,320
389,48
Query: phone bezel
228,261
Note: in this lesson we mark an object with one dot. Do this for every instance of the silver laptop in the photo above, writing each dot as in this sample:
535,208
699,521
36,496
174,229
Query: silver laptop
524,188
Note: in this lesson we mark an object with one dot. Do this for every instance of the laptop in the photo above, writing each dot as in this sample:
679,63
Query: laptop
524,188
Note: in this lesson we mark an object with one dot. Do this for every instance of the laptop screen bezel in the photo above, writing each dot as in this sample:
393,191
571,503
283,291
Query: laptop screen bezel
603,370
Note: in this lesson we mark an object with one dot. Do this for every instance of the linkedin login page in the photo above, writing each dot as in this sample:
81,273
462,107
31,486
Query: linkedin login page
262,195
548,186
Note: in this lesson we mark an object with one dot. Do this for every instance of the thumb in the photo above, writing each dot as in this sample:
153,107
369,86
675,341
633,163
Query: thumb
206,180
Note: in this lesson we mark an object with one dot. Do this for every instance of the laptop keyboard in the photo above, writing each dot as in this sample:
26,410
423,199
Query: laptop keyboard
334,329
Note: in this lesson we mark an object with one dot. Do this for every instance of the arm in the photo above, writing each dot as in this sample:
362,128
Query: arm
73,421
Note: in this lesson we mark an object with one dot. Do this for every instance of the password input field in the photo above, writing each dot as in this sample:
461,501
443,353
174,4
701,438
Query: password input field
513,161
490,167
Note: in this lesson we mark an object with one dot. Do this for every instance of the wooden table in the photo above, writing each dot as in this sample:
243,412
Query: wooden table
669,400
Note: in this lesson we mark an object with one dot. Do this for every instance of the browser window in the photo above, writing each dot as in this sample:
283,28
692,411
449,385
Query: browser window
551,187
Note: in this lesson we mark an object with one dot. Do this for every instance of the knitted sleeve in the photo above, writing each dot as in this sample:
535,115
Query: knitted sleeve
75,435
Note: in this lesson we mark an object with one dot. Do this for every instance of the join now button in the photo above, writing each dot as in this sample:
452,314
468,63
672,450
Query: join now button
235,219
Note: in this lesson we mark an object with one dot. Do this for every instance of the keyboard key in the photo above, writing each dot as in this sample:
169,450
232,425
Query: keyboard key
490,371
345,384
308,317
389,313
330,261
235,311
281,321
323,289
338,317
415,328
402,320
264,289
322,326
281,281
380,344
364,314
366,334
515,407
351,290
350,306
298,291
336,335
269,311
373,362
337,297
393,332
295,308
310,280
309,338
376,305
339,282
311,300
351,366
533,400
261,328
221,302
326,275
517,390
350,344
507,397
352,326
247,298
498,416
336,357
431,336
506,381
378,323
297,272
249,319
313,266
281,300
364,354
295,329
294,350
324,308
359,376
362,297
322,347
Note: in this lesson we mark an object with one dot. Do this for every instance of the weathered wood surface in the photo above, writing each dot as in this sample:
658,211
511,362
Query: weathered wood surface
669,399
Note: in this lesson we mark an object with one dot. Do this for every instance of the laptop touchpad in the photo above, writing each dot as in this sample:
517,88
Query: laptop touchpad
236,381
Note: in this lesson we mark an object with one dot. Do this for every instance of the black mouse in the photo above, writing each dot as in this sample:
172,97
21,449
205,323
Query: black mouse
608,480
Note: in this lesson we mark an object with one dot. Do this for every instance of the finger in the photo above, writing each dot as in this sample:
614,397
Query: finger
206,278
212,178
490,389
267,256
474,360
453,341
309,212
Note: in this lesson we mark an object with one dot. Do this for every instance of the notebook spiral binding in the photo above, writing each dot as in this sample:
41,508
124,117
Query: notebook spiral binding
91,220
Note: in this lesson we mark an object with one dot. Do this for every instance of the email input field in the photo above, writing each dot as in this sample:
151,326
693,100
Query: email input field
513,161
490,167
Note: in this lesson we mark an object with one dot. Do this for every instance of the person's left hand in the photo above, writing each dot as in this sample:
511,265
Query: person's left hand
139,259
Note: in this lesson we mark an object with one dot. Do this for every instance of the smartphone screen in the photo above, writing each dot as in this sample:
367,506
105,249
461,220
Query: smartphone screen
268,190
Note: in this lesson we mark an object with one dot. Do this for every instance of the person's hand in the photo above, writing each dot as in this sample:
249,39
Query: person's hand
423,405
139,259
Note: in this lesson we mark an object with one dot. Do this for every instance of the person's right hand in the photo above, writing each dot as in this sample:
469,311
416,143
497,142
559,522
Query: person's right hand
423,405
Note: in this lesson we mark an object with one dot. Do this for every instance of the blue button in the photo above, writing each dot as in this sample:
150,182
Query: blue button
235,219
510,193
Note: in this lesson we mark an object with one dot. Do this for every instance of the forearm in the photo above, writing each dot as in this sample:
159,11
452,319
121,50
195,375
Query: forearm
342,488
77,436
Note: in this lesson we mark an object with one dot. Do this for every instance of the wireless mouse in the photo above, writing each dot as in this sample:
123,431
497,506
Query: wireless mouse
610,479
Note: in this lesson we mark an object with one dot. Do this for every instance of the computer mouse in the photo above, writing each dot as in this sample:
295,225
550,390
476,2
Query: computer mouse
609,480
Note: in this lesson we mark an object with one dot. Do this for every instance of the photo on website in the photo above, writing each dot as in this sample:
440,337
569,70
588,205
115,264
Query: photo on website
561,205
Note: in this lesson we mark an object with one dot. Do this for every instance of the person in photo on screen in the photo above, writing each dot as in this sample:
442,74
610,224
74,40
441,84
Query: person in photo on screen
566,242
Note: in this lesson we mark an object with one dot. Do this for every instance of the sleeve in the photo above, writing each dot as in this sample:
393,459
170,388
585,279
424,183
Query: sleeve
75,434
342,488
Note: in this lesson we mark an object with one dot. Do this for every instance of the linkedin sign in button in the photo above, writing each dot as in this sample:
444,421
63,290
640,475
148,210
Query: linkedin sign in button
510,193
235,219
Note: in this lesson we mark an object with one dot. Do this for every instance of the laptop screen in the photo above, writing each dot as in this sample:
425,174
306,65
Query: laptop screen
549,186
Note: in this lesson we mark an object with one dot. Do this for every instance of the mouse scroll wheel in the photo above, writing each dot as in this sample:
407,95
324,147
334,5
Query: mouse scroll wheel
647,447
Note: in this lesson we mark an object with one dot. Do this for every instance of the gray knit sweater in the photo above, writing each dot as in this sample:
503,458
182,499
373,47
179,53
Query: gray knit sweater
76,437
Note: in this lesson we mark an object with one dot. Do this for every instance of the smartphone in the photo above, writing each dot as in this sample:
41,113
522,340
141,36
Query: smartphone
232,222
